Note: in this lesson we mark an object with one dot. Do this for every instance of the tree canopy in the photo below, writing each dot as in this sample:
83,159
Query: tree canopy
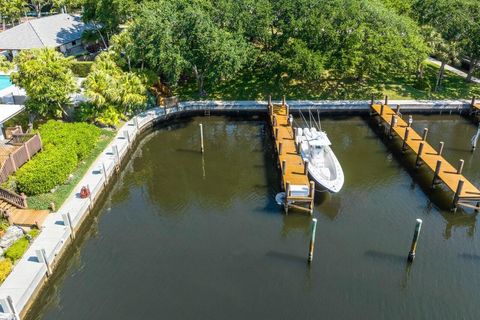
46,76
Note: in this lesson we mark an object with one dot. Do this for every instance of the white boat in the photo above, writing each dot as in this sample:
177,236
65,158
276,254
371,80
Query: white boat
323,165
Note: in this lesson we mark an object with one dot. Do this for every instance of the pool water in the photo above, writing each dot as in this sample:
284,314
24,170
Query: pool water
5,82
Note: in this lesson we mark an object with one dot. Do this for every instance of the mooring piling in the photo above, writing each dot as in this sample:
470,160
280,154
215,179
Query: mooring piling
440,148
425,134
405,140
418,161
457,195
280,147
460,166
398,110
284,167
393,122
436,173
312,240
410,121
306,163
202,149
386,100
416,234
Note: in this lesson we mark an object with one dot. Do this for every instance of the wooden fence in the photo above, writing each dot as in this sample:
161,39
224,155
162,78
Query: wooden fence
29,144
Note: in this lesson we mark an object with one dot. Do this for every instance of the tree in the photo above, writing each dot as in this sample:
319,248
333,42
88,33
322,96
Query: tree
5,65
39,5
112,92
11,10
46,76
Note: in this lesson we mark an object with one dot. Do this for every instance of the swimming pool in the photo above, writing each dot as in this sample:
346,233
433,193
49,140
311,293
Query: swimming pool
5,82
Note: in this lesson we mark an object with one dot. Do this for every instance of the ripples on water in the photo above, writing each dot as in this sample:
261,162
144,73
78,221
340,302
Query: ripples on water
186,236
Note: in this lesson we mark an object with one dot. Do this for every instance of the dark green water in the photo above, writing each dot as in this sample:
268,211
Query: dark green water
181,237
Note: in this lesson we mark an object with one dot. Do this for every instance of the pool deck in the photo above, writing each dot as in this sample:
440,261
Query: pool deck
30,273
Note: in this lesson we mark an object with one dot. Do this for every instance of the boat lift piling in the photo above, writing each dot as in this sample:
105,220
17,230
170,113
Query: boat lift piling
466,194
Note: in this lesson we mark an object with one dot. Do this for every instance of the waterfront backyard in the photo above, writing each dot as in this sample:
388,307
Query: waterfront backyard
193,237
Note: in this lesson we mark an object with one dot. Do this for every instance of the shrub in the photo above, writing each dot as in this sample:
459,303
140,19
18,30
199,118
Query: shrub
81,68
65,144
17,249
46,170
5,269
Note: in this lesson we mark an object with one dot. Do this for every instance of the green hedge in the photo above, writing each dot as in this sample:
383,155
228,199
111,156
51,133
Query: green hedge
5,269
81,68
17,249
65,144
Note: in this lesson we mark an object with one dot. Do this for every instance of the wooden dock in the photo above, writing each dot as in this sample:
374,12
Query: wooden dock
466,194
299,191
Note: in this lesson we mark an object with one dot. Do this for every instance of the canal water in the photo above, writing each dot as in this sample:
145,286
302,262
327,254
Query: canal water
181,236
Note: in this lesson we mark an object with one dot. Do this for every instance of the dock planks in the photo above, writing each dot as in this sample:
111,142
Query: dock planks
300,187
447,174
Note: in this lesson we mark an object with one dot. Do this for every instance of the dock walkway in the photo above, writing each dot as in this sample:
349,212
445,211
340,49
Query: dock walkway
466,194
299,191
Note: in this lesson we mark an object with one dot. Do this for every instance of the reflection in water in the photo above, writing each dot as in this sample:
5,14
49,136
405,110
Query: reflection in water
186,236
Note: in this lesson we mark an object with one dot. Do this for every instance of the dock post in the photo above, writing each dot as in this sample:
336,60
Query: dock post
425,134
67,221
393,123
312,196
440,148
405,139
287,195
269,100
280,147
276,133
283,101
436,173
274,121
410,120
386,100
42,257
416,234
312,240
284,167
456,197
420,151
474,101
381,109
460,166
306,167
398,110
202,150
372,101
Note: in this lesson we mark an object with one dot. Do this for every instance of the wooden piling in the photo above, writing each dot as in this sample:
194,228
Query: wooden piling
460,166
202,150
436,173
306,163
456,197
474,101
276,133
440,148
416,234
405,140
419,155
280,146
284,167
372,101
425,134
386,100
392,125
381,109
398,110
410,121
312,240
287,195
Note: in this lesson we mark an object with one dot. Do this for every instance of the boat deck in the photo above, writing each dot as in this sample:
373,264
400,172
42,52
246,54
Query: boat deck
295,181
448,174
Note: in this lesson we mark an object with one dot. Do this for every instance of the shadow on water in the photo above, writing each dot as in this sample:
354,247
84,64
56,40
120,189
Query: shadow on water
286,257
385,256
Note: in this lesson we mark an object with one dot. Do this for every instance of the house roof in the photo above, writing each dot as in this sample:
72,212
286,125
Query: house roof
52,31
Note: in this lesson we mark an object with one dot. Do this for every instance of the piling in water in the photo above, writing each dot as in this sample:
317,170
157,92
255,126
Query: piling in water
438,167
425,134
416,234
440,148
312,240
202,150
418,162
405,140
460,166
456,197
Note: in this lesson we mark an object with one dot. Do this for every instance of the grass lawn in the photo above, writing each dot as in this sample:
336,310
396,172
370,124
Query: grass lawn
257,86
42,201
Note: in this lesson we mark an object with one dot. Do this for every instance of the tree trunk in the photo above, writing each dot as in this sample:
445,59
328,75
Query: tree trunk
471,70
440,76
199,78
420,69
